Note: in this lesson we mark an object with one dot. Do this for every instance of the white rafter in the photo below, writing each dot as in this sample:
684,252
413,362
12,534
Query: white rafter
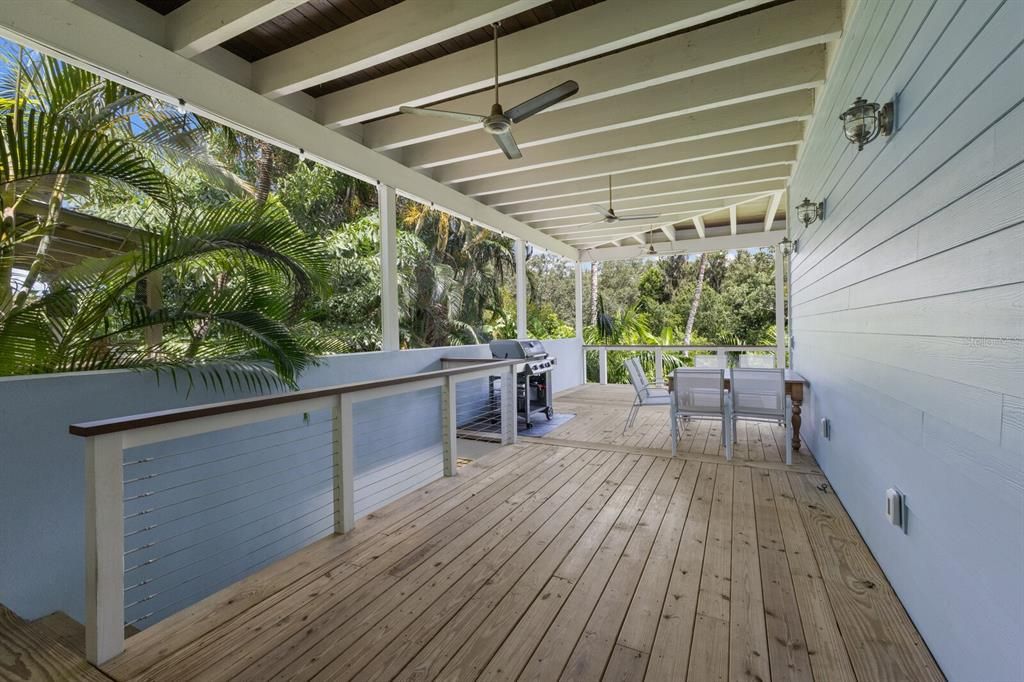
698,224
769,32
732,219
773,208
600,28
389,34
200,25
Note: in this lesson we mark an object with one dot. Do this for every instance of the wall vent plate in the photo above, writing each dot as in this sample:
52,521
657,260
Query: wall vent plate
896,508
826,428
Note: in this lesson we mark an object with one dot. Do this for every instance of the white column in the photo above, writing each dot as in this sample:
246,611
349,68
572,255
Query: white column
521,289
388,266
344,464
448,426
104,547
780,310
579,322
579,301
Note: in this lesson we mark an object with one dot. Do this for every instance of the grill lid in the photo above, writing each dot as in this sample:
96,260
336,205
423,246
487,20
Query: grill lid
517,349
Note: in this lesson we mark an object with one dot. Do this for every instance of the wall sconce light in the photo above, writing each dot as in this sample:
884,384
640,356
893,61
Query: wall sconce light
182,106
865,121
786,246
808,211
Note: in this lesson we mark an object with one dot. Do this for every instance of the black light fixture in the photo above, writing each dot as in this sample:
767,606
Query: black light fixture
808,211
865,121
182,106
786,246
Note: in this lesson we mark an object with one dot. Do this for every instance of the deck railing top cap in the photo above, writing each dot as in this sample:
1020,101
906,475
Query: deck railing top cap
138,421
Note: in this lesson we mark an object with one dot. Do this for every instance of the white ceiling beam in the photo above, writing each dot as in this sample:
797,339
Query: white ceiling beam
759,239
200,25
773,208
646,205
389,34
782,135
661,192
732,219
698,224
679,215
591,236
556,193
151,68
670,232
600,28
766,33
796,106
758,80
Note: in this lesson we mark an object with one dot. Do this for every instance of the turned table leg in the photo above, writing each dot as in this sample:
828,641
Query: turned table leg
797,395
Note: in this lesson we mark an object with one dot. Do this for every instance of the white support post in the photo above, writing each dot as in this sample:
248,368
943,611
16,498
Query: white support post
343,450
579,321
448,426
659,367
509,427
388,266
780,310
104,547
579,301
521,289
602,365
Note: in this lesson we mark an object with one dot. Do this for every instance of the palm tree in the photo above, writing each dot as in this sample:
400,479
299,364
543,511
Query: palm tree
69,135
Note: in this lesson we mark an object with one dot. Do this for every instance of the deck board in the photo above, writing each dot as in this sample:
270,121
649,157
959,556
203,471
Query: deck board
570,557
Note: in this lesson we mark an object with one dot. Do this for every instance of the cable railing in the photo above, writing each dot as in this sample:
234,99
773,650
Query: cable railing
656,357
182,503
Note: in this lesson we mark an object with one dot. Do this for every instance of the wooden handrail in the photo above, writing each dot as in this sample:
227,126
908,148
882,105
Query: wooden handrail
137,421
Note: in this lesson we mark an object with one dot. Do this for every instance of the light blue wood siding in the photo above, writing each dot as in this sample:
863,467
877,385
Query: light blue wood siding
908,314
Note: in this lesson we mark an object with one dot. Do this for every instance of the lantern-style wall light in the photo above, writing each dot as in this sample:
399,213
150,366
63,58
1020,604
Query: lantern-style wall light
808,211
786,246
865,121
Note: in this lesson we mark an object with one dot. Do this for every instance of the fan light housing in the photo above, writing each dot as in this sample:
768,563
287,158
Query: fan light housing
865,121
809,212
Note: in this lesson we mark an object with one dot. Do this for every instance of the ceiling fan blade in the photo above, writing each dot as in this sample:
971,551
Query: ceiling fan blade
537,104
638,217
508,144
603,211
441,113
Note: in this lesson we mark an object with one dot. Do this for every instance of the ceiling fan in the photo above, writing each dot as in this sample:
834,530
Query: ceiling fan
611,217
499,123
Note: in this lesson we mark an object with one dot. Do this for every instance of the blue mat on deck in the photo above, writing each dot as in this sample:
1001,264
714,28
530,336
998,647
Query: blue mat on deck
542,427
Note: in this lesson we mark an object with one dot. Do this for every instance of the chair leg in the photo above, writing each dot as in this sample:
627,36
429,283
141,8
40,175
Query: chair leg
629,417
674,428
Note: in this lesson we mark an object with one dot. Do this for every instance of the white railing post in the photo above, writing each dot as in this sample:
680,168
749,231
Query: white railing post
343,446
448,426
104,547
602,365
659,369
389,311
508,406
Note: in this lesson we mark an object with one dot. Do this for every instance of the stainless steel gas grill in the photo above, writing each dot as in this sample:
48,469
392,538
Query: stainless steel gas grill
533,380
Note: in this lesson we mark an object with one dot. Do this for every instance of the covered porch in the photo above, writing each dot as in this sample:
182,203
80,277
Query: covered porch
870,151
586,554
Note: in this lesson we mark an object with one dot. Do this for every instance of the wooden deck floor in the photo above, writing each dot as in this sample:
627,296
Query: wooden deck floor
563,558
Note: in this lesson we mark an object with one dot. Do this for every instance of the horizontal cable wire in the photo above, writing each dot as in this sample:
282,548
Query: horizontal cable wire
208,462
221,490
226,549
178,486
161,541
232,578
146,460
227,502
